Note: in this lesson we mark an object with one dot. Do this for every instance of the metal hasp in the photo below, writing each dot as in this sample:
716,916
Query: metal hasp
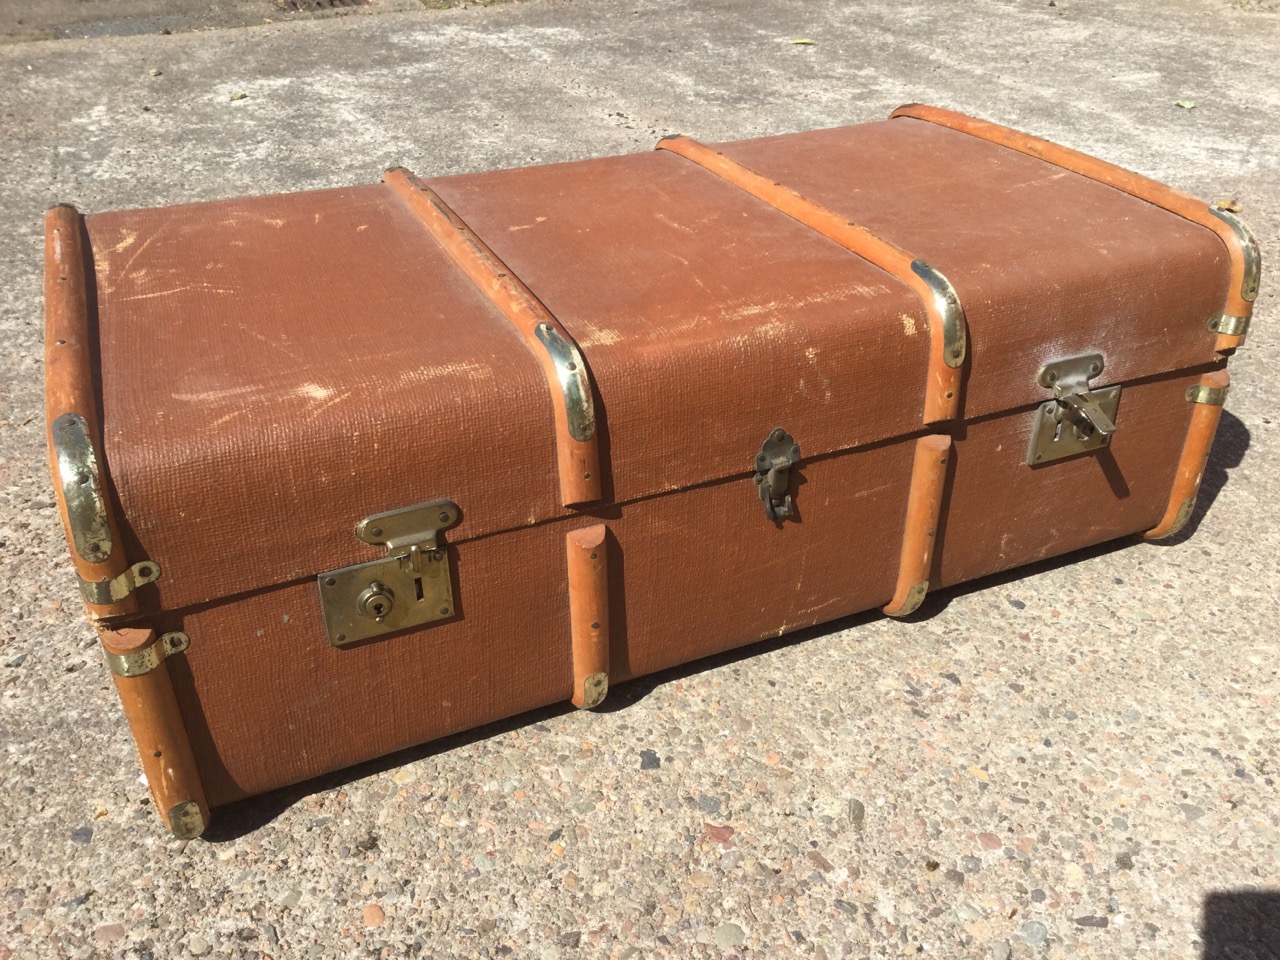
1077,419
408,588
778,454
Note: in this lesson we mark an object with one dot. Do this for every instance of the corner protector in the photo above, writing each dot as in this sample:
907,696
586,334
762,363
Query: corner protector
186,820
594,689
1179,521
915,597
947,303
1249,250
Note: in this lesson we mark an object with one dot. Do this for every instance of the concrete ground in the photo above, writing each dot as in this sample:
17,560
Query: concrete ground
1079,760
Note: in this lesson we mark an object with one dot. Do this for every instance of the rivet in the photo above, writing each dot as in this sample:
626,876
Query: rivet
595,624
444,516
375,532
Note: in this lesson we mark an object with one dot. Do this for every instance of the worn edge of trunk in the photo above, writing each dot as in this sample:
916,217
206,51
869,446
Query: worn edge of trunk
1208,396
73,425
1242,248
137,659
948,336
562,363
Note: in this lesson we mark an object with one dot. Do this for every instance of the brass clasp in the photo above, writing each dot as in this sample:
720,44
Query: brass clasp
1078,419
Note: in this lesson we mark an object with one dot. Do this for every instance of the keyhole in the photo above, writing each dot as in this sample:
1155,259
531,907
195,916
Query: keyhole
417,585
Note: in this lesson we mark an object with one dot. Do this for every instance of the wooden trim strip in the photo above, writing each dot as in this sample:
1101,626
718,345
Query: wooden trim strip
587,551
1238,304
1195,454
151,707
69,344
924,507
578,456
947,333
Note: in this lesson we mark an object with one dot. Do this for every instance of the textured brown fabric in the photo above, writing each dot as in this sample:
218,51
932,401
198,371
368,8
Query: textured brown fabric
1047,263
579,458
999,513
1179,203
269,702
942,395
273,370
707,318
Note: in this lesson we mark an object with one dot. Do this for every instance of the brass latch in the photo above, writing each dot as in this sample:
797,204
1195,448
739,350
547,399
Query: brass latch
1077,419
408,588
778,454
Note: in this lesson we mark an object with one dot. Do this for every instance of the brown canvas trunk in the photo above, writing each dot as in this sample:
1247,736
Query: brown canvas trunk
433,453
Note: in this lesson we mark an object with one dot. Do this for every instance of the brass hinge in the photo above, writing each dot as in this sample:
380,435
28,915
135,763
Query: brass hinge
1078,419
408,588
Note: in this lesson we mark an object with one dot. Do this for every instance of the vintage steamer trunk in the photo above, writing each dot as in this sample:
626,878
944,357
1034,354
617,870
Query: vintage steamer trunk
349,470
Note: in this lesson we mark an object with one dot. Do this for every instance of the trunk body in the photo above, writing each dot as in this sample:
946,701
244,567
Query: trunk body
657,406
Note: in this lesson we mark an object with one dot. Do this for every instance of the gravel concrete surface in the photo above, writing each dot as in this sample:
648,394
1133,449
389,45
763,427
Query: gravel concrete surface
1079,760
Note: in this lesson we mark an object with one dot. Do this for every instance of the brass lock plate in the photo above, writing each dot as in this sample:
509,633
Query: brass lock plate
411,586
